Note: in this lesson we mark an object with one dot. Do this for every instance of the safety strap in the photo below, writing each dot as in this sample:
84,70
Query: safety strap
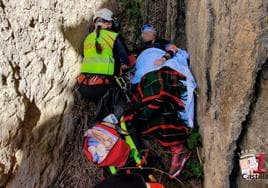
94,80
113,170
123,86
134,151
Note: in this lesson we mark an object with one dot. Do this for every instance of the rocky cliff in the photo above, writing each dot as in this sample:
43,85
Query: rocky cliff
39,63
40,55
228,45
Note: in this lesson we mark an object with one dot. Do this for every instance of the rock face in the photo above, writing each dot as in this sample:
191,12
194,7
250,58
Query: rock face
255,135
41,50
228,45
39,57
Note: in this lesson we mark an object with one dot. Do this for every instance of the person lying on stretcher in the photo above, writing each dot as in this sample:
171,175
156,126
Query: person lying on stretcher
150,39
162,89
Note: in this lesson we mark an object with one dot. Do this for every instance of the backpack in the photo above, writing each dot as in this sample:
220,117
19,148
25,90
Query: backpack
104,147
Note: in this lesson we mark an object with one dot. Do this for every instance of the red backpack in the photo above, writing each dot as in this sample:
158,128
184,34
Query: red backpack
104,147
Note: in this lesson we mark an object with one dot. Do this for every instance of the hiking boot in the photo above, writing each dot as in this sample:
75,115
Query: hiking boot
180,154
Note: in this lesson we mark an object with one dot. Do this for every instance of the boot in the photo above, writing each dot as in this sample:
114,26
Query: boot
180,154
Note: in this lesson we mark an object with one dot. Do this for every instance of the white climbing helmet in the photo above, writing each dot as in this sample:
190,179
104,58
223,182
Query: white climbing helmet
105,14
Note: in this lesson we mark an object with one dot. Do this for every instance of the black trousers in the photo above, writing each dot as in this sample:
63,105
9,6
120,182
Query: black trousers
93,92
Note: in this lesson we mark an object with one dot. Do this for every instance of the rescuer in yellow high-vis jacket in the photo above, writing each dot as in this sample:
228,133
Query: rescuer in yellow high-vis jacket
104,53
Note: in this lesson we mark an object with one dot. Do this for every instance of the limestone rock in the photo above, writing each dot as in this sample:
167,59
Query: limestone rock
255,132
227,41
39,57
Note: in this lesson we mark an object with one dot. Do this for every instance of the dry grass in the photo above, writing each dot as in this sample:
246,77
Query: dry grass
77,170
162,162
